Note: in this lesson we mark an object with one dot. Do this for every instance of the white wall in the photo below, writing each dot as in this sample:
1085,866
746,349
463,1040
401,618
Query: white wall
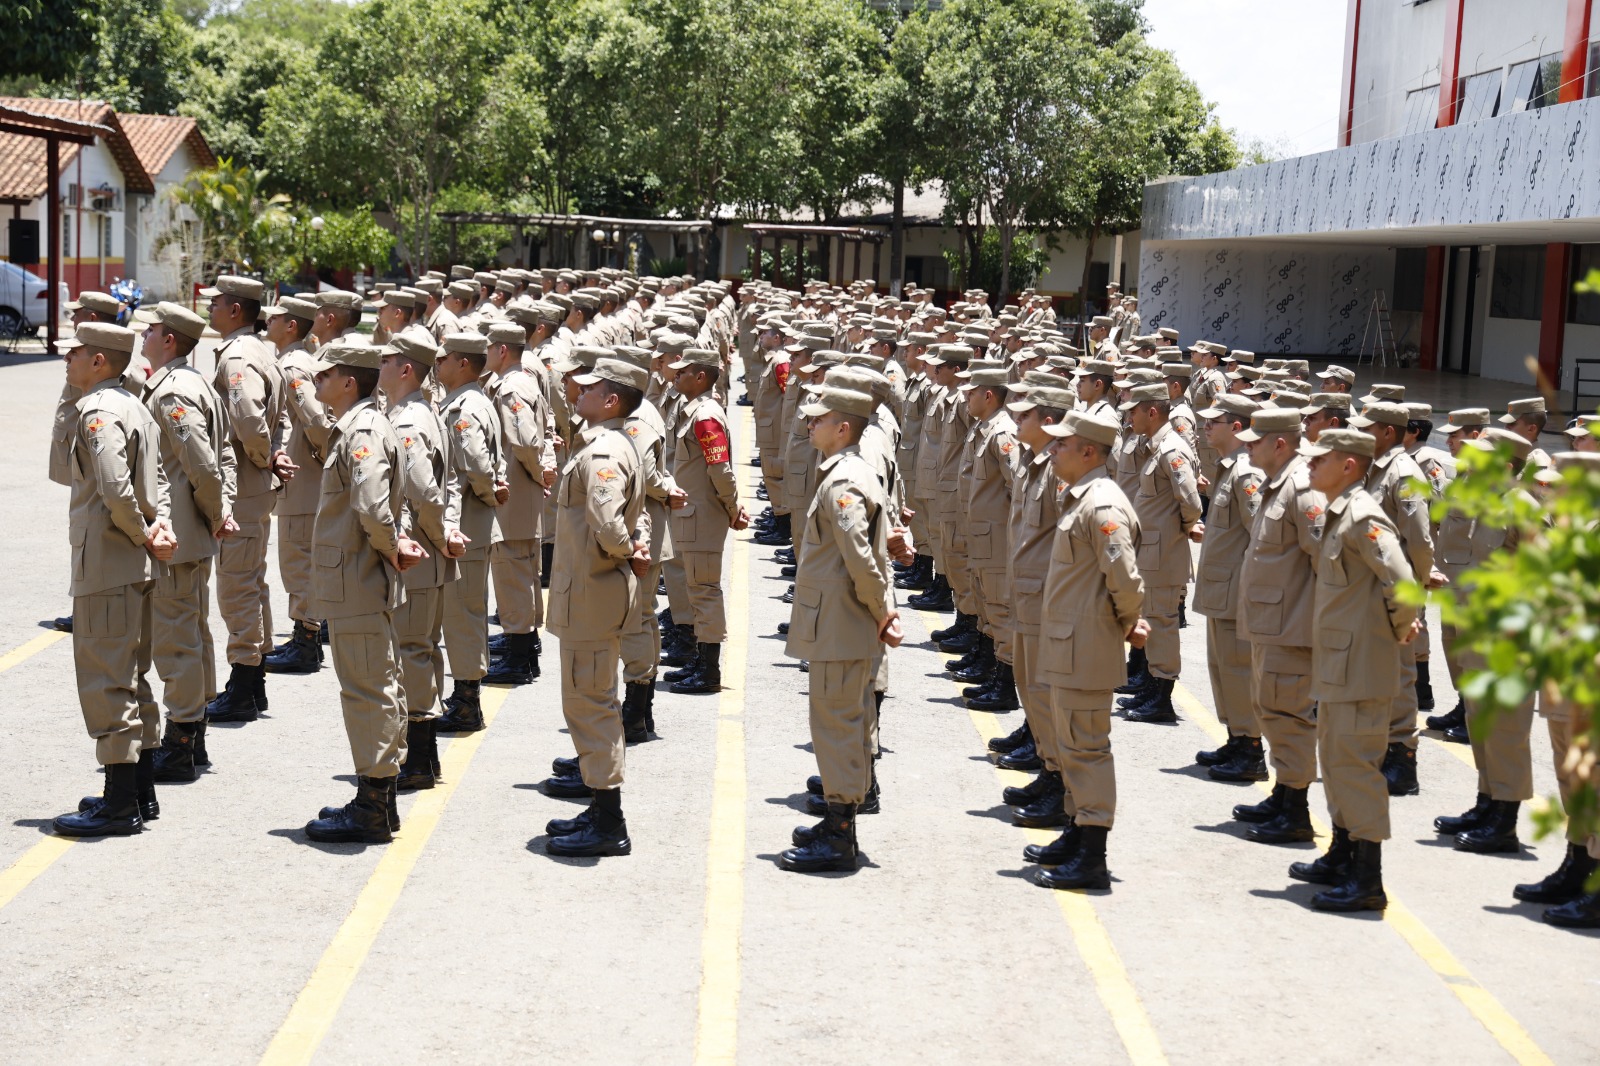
158,273
1507,344
1399,49
1497,33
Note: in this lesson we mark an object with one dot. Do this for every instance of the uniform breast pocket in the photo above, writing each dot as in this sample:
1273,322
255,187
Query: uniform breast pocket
1330,568
1333,656
683,523
330,573
1056,654
80,551
1061,547
1033,509
1271,528
1149,555
1211,591
980,541
1266,610
807,608
559,609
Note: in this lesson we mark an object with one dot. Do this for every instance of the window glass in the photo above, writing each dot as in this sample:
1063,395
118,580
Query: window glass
1422,110
1593,86
1584,308
1518,289
1478,97
1532,84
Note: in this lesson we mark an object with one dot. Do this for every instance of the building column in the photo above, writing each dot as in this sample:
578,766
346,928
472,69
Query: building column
1450,62
1347,94
1553,313
1432,307
1574,52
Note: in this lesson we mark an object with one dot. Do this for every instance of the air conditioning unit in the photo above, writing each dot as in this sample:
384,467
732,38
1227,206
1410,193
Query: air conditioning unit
94,198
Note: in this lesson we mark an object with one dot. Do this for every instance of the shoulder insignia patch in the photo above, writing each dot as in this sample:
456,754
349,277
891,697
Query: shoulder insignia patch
463,425
1007,447
1109,528
517,406
606,473
361,453
1374,531
1177,462
96,424
1251,489
177,413
843,502
632,431
1314,513
406,442
235,378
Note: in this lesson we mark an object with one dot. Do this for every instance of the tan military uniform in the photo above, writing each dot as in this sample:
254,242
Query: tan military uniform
308,428
592,593
1128,459
1035,509
913,412
198,466
432,506
1235,499
772,378
799,460
925,491
1277,588
1390,482
988,469
702,466
1092,597
1356,658
118,490
1204,387
355,588
842,594
955,423
515,558
641,641
1169,507
251,385
474,429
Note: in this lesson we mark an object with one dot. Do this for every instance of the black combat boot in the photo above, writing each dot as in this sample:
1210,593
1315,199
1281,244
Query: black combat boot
174,760
518,666
1362,889
1331,868
1059,850
1249,763
1581,913
201,756
1448,825
678,650
1218,756
1138,673
1044,812
1424,687
566,785
937,597
707,678
1292,825
1158,708
1002,694
1029,794
237,702
1086,868
918,577
364,820
422,757
779,534
784,556
1456,717
964,623
1566,884
1026,759
1497,832
832,845
1400,770
604,833
114,814
1012,740
302,655
981,669
463,710
1262,812
635,712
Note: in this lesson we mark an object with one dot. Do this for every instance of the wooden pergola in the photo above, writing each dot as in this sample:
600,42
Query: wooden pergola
779,233
578,229
53,130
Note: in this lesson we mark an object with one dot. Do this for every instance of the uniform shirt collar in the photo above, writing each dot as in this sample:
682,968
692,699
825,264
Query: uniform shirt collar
833,460
1339,503
1081,486
344,422
589,433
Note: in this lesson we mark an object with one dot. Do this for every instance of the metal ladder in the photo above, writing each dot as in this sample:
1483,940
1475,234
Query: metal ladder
1377,338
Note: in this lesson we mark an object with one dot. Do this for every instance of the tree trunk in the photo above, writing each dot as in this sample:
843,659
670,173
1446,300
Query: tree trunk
897,240
1008,233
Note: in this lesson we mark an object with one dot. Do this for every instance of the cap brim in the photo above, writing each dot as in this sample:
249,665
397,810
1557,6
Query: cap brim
1247,435
1505,419
814,410
319,365
69,342
274,311
1019,406
1130,405
1362,422
149,316
1210,412
1061,430
587,379
678,364
209,293
1311,451
560,366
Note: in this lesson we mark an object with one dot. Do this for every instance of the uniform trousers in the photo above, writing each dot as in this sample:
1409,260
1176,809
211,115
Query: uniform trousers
921,528
466,620
1352,737
1564,723
1034,695
843,714
243,598
772,478
1228,659
369,691
1082,722
1161,647
992,589
1500,751
294,564
702,572
1403,709
677,582
418,627
593,711
954,541
641,641
111,656
514,565
1280,690
180,600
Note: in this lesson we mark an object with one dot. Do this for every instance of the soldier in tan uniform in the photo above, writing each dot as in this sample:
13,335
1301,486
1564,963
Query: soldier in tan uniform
475,449
1092,599
1335,378
1235,499
987,474
953,422
118,521
602,548
358,553
938,394
913,413
530,461
1169,518
432,518
1205,385
1527,418
1362,628
772,365
702,466
1453,556
1277,586
198,465
308,428
844,606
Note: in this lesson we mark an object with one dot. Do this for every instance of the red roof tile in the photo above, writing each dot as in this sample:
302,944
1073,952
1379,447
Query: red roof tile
22,158
156,137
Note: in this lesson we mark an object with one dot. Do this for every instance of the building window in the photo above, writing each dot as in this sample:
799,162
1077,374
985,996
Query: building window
1478,96
1422,110
1592,88
1410,270
1533,84
1584,308
105,236
1518,290
66,235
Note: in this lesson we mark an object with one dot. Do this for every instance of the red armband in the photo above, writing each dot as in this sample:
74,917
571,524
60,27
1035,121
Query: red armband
713,438
781,372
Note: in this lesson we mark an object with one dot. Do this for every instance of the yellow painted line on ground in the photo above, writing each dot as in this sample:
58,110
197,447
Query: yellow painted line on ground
318,1004
1489,1012
1111,981
716,1031
28,650
1462,752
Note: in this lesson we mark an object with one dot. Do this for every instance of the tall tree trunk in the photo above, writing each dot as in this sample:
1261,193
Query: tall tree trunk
897,240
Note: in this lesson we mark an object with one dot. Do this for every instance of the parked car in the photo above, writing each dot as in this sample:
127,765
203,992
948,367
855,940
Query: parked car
23,307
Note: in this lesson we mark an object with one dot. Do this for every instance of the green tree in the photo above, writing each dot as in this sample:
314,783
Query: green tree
240,226
302,22
229,85
139,60
48,39
348,240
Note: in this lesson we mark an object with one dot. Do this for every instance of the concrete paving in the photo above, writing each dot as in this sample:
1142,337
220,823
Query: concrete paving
223,934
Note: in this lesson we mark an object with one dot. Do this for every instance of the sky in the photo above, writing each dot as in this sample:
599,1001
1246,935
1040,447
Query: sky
1271,67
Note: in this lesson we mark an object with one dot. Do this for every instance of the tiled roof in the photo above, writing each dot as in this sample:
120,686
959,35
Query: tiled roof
22,158
156,137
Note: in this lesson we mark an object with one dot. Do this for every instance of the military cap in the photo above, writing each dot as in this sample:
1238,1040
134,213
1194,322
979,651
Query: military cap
236,286
465,343
1493,436
1338,373
617,372
1386,414
808,343
103,337
1094,427
1101,322
1350,441
988,378
437,275
1268,420
866,359
102,303
633,354
560,299
395,298
1142,394
1230,403
360,356
822,399
1419,412
463,290
432,286
1300,368
941,354
414,344
1327,401
349,301
1145,342
175,317
461,270
1572,460
506,333
698,357
549,272
485,277
1580,428
1381,393
859,379
1297,389
1469,418
1521,409
1167,333
921,339
1177,370
1031,396
1095,367
673,343
569,276
381,287
419,296
506,286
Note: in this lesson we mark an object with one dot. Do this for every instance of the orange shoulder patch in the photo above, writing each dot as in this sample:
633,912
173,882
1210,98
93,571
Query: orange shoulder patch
177,413
96,424
844,501
463,425
1109,528
606,473
1315,513
1374,531
361,454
